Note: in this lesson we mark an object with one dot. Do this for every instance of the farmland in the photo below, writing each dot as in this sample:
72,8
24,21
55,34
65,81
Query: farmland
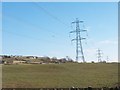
60,75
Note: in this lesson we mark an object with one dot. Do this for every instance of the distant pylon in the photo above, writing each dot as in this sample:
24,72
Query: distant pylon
99,55
107,58
78,39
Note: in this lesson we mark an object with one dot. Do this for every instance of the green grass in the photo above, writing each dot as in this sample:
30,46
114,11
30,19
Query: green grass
60,75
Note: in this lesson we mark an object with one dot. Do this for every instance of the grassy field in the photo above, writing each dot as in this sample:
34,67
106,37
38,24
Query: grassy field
60,75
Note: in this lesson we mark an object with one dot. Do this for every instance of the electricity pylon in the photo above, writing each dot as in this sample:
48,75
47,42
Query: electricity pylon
99,52
107,58
78,39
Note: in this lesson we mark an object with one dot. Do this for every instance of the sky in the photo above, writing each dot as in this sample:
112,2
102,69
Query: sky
42,29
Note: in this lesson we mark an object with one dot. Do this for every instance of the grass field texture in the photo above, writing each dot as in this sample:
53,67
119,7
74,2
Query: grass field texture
60,75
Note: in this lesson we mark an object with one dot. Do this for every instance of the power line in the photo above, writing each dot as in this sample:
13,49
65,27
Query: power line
33,25
18,34
48,13
51,15
78,39
54,17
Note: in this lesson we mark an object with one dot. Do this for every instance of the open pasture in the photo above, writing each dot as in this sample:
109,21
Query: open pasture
60,75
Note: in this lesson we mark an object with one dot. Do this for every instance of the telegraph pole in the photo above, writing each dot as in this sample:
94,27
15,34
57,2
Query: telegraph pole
78,39
99,55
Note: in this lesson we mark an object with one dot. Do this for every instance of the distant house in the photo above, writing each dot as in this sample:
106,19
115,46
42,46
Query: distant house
31,57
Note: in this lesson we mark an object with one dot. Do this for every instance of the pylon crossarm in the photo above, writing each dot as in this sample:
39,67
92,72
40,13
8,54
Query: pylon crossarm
83,30
81,21
73,39
82,38
73,22
72,31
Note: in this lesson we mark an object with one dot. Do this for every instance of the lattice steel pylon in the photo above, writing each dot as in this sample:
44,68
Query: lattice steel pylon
99,53
78,39
107,58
